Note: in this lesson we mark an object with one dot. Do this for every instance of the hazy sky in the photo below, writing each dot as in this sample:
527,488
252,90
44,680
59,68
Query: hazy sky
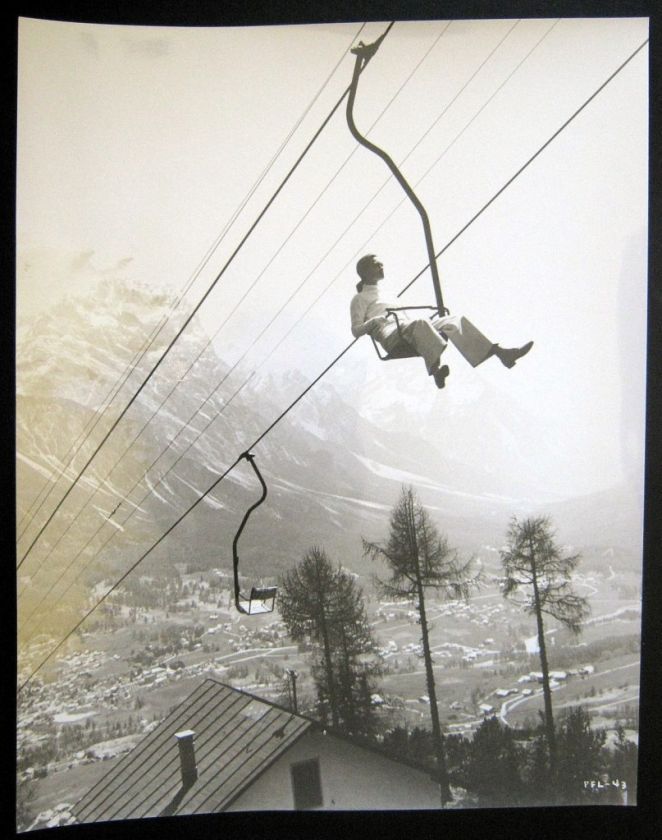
139,143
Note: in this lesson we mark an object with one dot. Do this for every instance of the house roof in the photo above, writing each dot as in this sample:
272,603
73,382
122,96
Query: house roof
237,735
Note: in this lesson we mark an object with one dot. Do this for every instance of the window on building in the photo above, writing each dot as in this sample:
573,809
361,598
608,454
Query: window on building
307,784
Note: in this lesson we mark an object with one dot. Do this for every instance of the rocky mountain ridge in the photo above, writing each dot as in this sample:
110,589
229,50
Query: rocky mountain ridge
333,473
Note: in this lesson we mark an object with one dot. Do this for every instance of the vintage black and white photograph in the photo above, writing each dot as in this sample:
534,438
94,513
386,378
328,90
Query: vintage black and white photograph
330,416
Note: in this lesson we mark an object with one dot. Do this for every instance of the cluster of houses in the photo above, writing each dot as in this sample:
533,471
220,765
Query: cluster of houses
185,763
42,704
273,634
481,613
556,679
92,681
55,817
446,650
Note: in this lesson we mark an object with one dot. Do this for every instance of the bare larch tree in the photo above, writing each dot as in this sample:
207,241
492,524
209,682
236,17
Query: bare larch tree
419,558
538,579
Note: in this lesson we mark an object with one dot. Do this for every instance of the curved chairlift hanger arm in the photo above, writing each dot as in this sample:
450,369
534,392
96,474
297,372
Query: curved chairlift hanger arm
260,595
363,53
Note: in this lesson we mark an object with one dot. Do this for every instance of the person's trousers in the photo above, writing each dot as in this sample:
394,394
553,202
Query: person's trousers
428,338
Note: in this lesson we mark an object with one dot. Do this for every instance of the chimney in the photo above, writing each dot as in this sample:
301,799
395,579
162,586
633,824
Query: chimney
187,756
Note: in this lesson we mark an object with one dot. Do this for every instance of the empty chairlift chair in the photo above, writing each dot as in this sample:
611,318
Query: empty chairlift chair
261,599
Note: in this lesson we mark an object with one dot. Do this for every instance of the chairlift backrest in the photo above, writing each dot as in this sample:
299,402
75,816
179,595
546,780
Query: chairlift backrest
261,600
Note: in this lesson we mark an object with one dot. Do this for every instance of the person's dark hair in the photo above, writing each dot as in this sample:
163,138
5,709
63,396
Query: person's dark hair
361,266
363,263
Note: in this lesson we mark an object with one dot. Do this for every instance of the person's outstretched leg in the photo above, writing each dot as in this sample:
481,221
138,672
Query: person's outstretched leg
429,345
473,345
469,340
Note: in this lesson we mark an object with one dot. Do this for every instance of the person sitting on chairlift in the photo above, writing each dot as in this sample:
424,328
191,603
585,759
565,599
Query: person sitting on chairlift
428,339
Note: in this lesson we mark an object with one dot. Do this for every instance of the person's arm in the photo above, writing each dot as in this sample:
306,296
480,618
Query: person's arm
359,325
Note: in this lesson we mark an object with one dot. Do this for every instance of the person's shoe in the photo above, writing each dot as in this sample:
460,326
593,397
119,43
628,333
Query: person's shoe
508,356
440,376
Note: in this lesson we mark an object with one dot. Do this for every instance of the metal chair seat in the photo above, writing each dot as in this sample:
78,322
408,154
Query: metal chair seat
260,600
403,349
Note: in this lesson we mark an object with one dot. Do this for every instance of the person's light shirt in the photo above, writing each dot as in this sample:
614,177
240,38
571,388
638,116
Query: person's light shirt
372,302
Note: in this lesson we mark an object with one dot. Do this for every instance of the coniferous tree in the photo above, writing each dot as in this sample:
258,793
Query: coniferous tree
355,673
538,777
419,558
493,763
624,764
324,605
308,608
580,757
537,578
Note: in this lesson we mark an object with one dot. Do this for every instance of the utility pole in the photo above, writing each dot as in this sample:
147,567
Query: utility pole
292,674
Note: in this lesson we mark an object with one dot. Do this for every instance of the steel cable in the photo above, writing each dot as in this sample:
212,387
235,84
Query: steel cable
260,334
189,318
220,478
49,486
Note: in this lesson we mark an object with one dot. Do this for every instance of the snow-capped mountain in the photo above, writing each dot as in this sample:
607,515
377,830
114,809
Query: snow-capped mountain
334,470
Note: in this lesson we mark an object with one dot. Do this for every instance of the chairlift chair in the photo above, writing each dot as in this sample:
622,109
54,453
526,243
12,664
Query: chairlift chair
261,599
402,350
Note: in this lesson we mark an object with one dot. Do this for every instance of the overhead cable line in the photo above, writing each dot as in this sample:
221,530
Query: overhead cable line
192,314
427,171
401,162
326,187
374,196
210,341
282,307
528,162
136,506
220,478
183,516
126,495
367,204
242,357
104,485
49,486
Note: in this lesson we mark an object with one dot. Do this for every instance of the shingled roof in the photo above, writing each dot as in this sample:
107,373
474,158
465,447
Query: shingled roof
237,736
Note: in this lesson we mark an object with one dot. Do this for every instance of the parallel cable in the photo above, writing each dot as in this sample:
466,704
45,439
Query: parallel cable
220,478
140,354
271,321
428,170
190,316
383,185
248,349
528,162
180,519
237,305
464,128
136,507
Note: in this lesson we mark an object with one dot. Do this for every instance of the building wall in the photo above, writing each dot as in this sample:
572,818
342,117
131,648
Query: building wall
352,779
